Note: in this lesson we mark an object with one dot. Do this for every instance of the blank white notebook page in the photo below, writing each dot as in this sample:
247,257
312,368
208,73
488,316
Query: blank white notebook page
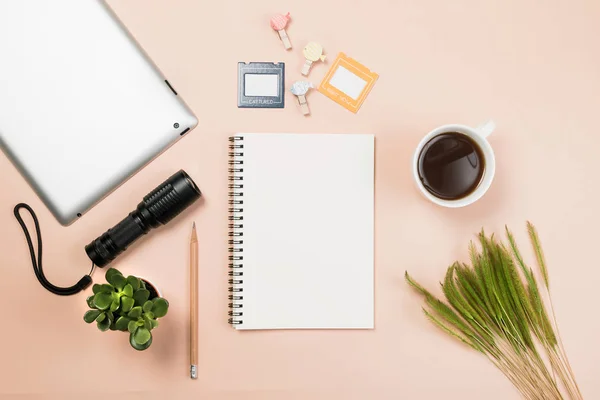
308,204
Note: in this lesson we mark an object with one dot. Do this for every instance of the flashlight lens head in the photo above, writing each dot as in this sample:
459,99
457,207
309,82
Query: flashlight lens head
172,197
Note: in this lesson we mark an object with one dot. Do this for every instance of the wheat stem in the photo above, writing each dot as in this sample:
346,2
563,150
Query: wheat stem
562,355
494,311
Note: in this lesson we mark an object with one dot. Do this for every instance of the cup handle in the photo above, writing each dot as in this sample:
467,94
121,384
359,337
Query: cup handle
486,128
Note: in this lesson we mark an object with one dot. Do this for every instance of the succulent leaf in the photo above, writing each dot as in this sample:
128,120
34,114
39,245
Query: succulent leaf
141,296
118,281
102,288
91,315
147,306
107,288
134,282
161,307
122,323
138,346
135,312
110,273
104,325
128,290
102,300
132,326
127,304
141,336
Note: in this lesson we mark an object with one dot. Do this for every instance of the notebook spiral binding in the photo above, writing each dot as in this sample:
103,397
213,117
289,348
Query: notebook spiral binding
236,226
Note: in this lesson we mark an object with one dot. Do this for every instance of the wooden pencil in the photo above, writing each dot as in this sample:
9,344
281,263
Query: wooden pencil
194,303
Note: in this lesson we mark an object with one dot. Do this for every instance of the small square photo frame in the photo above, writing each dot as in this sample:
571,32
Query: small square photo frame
348,82
261,85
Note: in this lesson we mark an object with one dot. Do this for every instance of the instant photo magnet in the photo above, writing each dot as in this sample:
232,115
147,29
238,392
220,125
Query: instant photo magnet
261,85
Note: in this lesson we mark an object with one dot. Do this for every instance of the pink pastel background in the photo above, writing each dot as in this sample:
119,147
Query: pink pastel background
532,66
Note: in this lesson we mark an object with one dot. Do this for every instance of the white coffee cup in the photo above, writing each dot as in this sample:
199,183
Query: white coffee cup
479,136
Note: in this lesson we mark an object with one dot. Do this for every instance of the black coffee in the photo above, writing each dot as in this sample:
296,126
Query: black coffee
451,166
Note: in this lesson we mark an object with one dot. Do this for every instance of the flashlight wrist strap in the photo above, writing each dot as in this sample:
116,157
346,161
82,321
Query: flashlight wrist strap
83,283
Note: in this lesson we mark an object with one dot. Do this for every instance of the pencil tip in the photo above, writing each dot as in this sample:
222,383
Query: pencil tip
194,225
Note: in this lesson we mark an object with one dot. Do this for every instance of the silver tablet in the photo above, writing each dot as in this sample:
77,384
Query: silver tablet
82,108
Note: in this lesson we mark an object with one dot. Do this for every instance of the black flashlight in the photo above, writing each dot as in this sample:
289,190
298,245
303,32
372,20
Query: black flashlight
159,207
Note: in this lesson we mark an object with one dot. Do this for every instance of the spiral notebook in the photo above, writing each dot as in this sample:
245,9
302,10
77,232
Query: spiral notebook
301,231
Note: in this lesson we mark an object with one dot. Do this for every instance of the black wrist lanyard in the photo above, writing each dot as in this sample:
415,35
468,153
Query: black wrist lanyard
37,266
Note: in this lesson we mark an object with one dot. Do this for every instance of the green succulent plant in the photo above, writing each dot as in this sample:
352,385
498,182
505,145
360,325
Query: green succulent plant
125,304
